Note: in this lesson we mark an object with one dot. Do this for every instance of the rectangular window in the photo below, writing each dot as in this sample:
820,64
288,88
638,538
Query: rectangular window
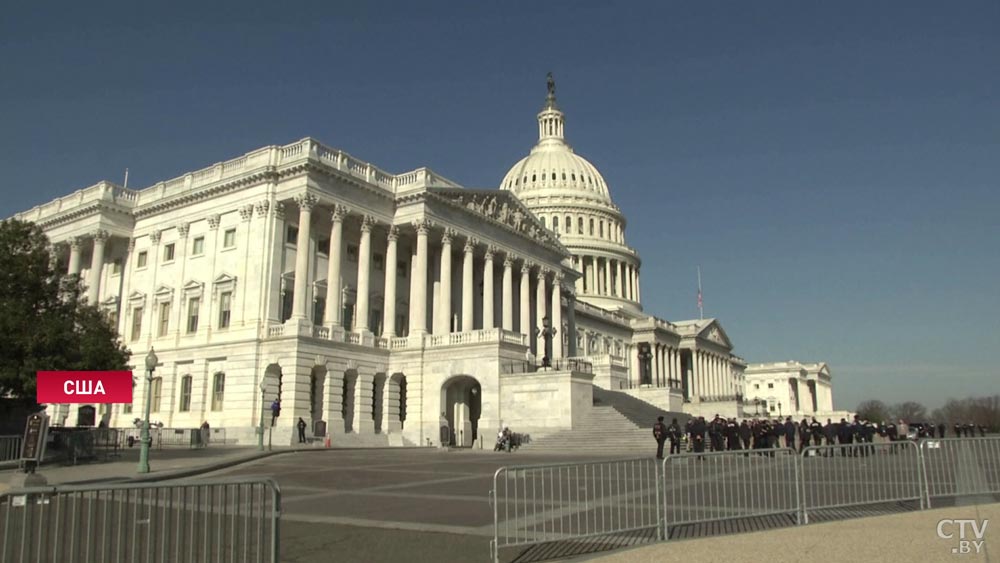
352,252
116,267
756,385
376,321
323,246
770,386
127,408
402,269
379,261
225,307
193,304
319,310
155,393
292,235
140,261
164,319
198,246
287,299
168,252
136,323
229,238
591,227
600,231
218,391
185,402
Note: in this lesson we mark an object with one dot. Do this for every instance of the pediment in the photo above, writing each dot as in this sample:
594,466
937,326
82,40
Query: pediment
714,332
136,297
111,301
224,279
193,287
500,207
164,291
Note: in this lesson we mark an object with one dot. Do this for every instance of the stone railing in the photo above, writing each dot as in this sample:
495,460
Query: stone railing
258,160
473,337
321,332
606,359
352,338
275,331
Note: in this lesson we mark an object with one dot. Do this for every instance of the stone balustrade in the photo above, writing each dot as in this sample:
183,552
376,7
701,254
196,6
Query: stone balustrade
473,337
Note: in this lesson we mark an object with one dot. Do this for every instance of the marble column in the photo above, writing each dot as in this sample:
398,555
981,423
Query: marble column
389,308
540,309
444,307
571,323
677,367
333,306
488,301
306,203
96,267
507,322
607,277
557,339
638,291
525,325
364,273
418,324
468,310
588,265
656,365
620,270
74,255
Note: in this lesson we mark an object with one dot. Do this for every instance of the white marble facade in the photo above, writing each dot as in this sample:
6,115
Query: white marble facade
384,304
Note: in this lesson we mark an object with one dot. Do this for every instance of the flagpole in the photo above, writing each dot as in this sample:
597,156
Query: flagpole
701,310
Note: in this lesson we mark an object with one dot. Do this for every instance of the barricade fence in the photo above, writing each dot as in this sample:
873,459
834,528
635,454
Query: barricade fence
960,466
10,448
705,487
534,504
197,521
858,475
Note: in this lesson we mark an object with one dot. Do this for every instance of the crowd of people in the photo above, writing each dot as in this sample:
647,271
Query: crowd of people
722,434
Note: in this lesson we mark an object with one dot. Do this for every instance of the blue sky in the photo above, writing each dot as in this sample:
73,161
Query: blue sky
832,167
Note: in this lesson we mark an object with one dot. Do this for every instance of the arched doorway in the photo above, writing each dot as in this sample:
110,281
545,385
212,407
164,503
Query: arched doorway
378,401
347,399
317,388
85,415
395,402
461,403
271,383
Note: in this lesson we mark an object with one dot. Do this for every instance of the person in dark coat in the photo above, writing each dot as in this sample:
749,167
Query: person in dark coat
745,433
789,433
844,436
732,435
674,435
698,428
803,434
302,430
958,430
816,430
941,429
660,434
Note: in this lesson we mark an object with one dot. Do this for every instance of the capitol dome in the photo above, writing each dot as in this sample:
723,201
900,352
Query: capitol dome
570,198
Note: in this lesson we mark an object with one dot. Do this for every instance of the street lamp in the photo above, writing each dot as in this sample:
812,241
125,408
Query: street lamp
547,331
151,361
779,409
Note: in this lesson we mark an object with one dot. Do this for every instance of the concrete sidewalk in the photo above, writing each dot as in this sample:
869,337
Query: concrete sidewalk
908,537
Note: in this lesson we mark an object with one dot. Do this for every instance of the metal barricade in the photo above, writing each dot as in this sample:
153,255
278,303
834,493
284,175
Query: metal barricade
960,466
850,475
10,448
234,520
535,504
705,487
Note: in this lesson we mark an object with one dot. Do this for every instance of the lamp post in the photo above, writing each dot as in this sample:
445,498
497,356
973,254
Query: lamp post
779,409
547,331
645,354
260,437
144,438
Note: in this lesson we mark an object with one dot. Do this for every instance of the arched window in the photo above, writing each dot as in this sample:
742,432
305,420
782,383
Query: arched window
184,405
579,225
600,232
543,220
218,390
569,225
555,223
591,227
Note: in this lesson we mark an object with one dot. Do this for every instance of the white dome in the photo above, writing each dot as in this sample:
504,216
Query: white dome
552,168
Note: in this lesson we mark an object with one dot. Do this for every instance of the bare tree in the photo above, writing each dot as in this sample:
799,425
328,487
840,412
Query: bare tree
909,411
874,410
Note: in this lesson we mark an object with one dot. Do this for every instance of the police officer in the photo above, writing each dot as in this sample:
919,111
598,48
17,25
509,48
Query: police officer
660,433
745,433
732,436
789,433
816,430
674,435
698,428
803,434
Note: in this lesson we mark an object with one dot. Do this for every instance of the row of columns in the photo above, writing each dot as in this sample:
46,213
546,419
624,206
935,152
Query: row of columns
418,280
666,365
608,276
712,375
100,239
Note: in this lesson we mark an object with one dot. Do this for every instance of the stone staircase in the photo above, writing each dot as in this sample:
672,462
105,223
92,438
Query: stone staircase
617,424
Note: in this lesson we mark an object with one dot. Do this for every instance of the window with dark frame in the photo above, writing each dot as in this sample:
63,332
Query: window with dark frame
194,304
225,308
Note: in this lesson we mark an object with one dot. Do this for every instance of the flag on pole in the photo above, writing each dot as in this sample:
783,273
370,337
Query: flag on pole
701,314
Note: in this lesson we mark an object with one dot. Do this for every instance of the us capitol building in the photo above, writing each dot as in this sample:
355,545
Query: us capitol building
381,307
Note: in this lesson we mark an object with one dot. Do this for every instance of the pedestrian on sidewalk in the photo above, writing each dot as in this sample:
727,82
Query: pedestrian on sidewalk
302,431
204,434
